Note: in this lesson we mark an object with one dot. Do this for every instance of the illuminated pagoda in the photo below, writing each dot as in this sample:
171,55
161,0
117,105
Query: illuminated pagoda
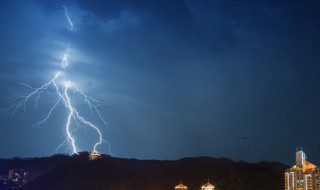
94,155
207,186
181,187
303,175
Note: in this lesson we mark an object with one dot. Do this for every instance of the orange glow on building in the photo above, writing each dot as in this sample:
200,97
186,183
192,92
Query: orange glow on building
207,186
302,176
94,155
181,187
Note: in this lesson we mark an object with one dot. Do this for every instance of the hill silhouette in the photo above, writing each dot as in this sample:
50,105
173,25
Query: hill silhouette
62,172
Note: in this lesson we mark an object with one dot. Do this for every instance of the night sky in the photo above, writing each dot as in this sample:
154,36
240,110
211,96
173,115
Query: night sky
178,78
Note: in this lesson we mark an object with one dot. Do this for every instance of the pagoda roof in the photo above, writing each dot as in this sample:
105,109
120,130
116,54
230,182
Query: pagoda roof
95,153
207,185
181,186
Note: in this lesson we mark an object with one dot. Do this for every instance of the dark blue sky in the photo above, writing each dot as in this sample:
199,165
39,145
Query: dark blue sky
179,78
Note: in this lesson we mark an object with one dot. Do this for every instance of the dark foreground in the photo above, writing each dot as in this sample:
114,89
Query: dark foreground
62,172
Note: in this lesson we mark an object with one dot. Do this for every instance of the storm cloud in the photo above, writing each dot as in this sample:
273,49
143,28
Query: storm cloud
179,78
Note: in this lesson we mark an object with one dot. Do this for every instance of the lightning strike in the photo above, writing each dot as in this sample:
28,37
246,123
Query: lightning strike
67,16
62,89
71,109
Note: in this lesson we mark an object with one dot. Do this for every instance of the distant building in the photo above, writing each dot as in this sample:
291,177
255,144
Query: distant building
181,187
17,178
303,175
207,186
10,174
94,155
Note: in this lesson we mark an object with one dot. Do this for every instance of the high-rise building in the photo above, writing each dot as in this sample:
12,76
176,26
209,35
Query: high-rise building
10,174
302,176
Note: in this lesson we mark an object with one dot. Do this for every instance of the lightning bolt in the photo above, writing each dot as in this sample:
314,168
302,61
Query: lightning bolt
67,16
62,88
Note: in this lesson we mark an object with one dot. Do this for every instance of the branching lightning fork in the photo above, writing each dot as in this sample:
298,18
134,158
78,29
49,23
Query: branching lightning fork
61,88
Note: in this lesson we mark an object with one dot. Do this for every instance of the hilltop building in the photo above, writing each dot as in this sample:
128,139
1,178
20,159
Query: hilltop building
94,155
303,175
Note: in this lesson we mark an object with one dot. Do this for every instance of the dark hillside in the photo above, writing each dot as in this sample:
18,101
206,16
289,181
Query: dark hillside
63,172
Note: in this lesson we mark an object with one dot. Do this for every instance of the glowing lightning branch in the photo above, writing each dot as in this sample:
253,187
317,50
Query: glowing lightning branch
64,97
93,103
37,91
71,109
64,62
67,16
48,115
